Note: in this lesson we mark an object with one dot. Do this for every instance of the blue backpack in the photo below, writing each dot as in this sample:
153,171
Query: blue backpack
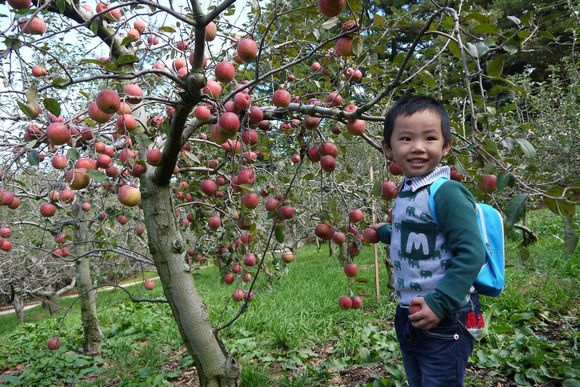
490,280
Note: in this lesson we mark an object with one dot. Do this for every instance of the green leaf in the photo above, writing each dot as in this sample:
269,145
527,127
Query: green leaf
330,23
94,27
167,29
454,49
25,109
510,49
472,49
61,5
515,209
486,29
32,157
72,154
357,46
279,232
57,81
52,106
427,78
495,66
490,146
560,206
379,20
125,59
526,147
505,181
97,176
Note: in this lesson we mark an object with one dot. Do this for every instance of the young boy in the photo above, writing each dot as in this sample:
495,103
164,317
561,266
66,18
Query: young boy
434,266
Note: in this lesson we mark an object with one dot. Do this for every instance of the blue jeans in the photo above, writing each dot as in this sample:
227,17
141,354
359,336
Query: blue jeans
436,357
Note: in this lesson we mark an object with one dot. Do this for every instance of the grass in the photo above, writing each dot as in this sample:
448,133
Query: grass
294,334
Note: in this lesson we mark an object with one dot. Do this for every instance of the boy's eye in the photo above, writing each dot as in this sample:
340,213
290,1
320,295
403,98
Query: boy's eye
405,139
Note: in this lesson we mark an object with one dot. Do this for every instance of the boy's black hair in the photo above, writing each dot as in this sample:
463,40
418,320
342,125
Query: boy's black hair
412,104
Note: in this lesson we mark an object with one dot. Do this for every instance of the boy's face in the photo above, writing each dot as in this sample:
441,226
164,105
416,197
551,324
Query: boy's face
417,143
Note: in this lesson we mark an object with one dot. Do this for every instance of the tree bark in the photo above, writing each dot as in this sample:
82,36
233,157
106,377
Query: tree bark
215,367
87,295
18,304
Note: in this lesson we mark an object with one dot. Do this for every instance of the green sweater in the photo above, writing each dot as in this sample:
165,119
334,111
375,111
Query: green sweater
455,251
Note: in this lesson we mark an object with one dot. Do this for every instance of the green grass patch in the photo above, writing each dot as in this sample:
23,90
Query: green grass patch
294,334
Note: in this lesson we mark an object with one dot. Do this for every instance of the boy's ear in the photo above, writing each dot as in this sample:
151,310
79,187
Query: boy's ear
446,148
387,150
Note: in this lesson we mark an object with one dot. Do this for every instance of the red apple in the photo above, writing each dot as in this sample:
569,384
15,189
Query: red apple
356,302
154,156
344,302
202,113
356,127
389,190
338,237
488,183
108,101
20,4
236,268
271,204
395,169
214,222
247,49
356,216
58,133
250,137
149,284
242,101
54,343
331,8
324,231
414,308
281,98
210,31
129,195
328,149
208,187
133,93
59,162
238,295
370,235
328,163
343,46
229,278
250,200
139,230
47,210
229,123
286,211
334,99
250,260
350,269
288,256
225,72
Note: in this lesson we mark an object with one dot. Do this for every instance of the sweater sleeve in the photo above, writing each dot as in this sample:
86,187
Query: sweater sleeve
455,209
385,233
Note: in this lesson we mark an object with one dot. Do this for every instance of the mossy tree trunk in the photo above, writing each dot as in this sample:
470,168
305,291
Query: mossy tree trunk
214,365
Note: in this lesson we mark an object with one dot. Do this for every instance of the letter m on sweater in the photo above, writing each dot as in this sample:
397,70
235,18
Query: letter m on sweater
418,240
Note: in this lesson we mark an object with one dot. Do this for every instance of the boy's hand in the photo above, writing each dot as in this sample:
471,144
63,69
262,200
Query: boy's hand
424,318
376,225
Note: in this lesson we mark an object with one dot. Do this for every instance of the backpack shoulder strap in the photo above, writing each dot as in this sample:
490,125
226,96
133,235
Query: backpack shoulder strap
432,189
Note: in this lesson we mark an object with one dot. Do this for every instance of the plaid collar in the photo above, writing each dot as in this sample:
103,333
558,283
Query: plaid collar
421,181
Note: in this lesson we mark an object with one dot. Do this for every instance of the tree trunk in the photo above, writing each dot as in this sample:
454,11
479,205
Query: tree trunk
16,301
215,367
87,295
